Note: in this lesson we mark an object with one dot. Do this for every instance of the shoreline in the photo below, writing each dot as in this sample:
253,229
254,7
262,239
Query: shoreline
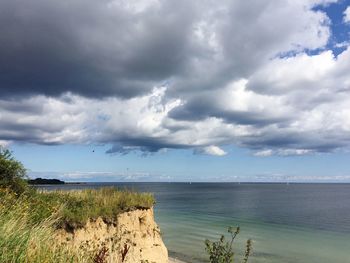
175,260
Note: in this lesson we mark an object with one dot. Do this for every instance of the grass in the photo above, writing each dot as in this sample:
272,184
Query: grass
74,208
28,221
23,240
81,205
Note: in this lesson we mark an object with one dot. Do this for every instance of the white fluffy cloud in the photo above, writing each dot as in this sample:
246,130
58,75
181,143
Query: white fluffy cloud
347,15
211,150
193,76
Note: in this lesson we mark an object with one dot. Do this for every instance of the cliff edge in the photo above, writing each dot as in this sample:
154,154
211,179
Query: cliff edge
133,238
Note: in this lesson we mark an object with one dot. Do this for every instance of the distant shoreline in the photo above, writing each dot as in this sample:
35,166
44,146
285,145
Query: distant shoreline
44,181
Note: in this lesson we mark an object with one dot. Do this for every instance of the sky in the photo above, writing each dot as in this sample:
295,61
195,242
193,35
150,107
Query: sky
164,90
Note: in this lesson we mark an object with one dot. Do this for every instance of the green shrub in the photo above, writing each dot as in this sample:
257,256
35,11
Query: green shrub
222,251
12,173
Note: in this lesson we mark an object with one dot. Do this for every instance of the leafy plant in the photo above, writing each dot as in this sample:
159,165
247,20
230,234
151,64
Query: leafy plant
222,251
12,172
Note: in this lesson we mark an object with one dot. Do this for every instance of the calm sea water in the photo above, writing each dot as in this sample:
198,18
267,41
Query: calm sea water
295,223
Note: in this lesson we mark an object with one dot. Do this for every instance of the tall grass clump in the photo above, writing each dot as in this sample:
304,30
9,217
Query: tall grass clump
23,240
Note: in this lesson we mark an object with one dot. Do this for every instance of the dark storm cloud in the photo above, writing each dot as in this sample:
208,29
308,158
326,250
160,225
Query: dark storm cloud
202,109
281,140
144,145
25,134
29,132
92,48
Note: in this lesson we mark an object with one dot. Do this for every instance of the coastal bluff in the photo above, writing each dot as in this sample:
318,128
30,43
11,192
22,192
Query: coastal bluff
133,238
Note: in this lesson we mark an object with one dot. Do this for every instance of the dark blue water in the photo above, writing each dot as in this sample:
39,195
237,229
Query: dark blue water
288,223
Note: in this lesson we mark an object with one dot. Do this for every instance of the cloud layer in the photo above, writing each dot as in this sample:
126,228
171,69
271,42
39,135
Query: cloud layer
166,74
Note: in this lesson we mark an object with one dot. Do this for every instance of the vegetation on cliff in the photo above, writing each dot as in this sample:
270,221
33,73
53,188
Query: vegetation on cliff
78,206
28,216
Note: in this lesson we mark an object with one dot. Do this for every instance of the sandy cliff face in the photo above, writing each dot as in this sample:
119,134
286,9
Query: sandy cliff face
135,238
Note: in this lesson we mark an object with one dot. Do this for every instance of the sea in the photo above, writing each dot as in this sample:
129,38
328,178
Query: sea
287,223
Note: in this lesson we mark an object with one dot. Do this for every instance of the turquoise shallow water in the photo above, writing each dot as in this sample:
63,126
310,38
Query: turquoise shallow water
296,223
184,235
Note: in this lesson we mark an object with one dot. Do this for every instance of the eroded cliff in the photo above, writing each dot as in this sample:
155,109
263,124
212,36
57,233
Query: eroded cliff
133,238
